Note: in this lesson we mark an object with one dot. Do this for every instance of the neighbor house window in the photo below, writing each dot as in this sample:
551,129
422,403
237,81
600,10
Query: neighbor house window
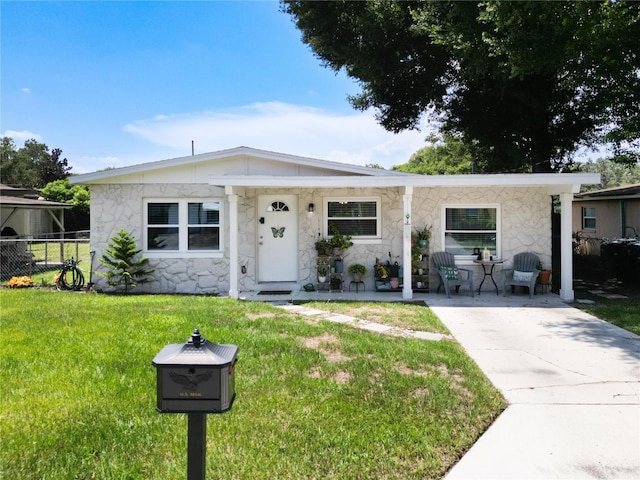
469,228
184,225
588,218
359,217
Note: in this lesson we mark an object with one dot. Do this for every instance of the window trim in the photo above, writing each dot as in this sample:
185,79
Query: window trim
588,217
361,239
183,228
469,258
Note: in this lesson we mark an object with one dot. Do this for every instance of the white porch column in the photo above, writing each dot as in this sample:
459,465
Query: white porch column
407,291
233,242
566,279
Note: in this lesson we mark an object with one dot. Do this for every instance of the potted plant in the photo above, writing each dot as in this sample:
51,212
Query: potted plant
322,273
544,277
422,236
381,270
416,259
339,242
323,247
358,271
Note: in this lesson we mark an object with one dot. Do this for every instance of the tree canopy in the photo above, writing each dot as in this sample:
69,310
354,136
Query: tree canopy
32,166
62,191
448,156
524,84
612,174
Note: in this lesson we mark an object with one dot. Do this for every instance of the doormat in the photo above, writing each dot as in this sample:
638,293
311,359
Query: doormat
274,292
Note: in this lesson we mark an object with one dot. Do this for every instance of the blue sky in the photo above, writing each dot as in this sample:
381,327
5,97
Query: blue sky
118,83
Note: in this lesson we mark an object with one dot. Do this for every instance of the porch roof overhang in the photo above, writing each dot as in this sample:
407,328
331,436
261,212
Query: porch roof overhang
31,203
556,183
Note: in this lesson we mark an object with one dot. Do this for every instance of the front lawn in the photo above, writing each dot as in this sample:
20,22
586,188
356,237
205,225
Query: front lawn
622,312
314,399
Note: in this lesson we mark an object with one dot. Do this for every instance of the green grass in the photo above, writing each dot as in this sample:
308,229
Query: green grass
415,317
60,251
314,399
623,312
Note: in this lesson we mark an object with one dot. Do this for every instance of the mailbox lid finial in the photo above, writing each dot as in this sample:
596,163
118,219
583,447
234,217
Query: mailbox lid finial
196,338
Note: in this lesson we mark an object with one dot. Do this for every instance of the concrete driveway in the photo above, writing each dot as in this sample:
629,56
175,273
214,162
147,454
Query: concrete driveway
572,381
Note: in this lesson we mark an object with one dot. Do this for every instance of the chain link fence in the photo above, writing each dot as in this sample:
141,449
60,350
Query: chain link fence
35,254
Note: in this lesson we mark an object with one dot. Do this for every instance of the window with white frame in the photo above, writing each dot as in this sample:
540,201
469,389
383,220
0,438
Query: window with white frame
467,228
182,225
588,218
358,217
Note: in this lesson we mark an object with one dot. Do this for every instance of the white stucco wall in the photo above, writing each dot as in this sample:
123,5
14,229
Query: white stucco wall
525,221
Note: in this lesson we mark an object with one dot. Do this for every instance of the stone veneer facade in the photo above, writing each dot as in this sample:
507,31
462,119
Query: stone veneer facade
524,214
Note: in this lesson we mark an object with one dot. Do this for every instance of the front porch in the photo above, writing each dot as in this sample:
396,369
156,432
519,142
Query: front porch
485,299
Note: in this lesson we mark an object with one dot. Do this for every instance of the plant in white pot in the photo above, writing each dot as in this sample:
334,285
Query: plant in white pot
322,273
358,271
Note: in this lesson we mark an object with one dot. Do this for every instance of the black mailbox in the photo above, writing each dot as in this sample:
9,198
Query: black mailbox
196,377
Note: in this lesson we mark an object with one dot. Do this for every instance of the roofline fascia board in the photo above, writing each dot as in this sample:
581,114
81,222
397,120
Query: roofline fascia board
33,204
607,197
23,206
558,183
243,152
614,190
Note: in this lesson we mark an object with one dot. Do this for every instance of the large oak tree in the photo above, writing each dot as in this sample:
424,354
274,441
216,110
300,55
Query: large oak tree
523,84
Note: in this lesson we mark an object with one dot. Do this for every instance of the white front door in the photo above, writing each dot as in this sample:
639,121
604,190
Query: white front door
277,238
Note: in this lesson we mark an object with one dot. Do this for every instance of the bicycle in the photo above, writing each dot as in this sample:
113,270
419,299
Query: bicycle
70,277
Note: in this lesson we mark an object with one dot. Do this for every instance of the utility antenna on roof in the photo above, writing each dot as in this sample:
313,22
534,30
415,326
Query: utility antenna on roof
192,149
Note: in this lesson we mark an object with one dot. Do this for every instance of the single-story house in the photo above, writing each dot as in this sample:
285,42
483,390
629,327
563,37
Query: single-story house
609,213
243,219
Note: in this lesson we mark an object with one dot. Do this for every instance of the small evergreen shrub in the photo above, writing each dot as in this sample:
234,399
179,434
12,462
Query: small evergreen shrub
126,271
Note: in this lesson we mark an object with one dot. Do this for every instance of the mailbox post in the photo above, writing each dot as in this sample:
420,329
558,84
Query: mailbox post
197,377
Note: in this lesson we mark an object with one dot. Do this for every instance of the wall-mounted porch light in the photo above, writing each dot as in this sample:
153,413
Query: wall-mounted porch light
311,208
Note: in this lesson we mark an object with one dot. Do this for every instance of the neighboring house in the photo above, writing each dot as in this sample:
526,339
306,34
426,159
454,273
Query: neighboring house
244,219
608,213
23,213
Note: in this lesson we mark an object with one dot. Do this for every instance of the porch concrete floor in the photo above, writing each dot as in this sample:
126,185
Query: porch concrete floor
485,299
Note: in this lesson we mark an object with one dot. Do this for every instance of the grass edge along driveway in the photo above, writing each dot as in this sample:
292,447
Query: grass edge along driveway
314,399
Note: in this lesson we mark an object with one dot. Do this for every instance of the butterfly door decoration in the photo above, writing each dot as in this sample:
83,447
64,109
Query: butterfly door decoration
278,232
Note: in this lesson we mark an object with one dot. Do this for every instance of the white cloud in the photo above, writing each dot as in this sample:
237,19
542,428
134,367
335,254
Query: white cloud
25,90
93,164
21,136
300,130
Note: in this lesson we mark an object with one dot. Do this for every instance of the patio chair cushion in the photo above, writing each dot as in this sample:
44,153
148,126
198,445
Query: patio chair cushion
522,276
450,272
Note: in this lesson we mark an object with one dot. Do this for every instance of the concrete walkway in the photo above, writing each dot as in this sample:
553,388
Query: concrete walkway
572,381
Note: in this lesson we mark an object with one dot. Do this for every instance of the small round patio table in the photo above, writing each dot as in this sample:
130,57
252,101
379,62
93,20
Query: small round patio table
486,264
